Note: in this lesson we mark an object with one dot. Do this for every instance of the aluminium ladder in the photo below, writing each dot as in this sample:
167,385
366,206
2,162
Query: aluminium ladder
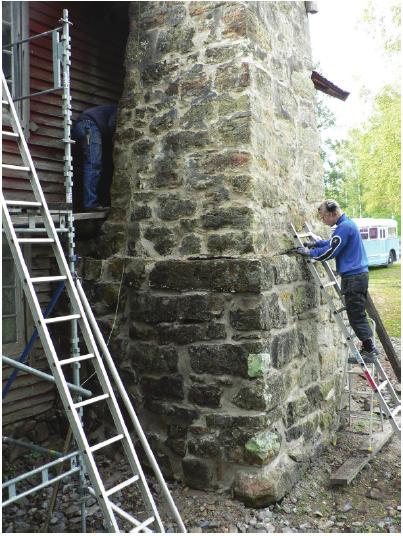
332,282
95,346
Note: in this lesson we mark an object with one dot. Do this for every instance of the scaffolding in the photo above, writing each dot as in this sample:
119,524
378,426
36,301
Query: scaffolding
29,222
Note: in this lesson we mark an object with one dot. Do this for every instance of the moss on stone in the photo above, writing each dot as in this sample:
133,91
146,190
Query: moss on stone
257,364
263,447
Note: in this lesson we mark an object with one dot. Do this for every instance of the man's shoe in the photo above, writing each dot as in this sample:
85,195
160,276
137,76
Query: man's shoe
370,356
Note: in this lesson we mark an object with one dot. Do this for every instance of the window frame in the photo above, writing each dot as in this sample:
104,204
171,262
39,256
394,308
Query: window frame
20,75
15,348
364,230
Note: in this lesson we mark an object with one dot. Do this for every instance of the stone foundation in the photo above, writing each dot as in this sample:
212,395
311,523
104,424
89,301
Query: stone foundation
222,342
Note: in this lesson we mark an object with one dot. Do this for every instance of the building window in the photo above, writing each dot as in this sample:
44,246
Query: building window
16,59
364,233
373,232
392,232
13,320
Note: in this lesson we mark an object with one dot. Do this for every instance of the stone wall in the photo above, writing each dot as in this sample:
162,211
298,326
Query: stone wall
222,342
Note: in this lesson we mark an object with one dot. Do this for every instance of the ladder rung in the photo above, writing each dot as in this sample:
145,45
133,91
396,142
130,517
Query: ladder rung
15,168
5,103
143,525
9,134
91,401
16,203
304,235
124,514
56,319
36,240
329,284
75,359
48,279
382,385
122,485
106,442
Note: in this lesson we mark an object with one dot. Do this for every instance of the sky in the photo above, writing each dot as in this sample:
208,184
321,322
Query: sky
350,57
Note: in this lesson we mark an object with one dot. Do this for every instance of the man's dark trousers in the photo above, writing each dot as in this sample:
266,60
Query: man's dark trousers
355,289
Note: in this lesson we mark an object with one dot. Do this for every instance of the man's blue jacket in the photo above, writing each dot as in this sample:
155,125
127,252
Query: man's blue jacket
346,246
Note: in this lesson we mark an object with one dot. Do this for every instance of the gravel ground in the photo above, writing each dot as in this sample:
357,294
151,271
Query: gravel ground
371,503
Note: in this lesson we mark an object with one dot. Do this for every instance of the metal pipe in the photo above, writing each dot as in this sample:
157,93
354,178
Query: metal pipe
43,375
37,36
40,469
31,446
126,400
37,93
40,486
34,336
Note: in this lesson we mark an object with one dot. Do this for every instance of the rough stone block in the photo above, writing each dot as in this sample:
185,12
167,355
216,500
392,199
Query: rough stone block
172,207
163,239
182,308
219,244
284,348
235,20
258,364
179,414
198,474
205,395
223,358
233,131
275,390
232,76
191,245
205,447
297,408
152,358
250,315
186,334
251,396
166,387
226,275
141,212
286,270
307,428
163,122
228,217
267,486
178,142
262,448
304,298
275,315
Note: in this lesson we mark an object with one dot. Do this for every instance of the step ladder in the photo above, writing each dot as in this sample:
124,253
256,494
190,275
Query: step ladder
326,284
97,353
351,374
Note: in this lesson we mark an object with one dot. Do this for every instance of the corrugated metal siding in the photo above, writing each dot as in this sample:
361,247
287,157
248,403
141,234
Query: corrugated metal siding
96,78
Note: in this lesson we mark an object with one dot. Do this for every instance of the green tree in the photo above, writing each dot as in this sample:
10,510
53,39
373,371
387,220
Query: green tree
372,159
333,173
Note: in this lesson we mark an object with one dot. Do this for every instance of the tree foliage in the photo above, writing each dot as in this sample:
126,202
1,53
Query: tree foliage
372,159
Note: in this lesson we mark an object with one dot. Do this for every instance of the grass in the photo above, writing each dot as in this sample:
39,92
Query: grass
384,287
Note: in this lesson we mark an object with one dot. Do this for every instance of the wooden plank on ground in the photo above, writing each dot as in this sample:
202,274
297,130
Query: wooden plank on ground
350,469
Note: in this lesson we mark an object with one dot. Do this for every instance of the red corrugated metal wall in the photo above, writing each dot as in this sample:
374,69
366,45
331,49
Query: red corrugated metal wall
98,37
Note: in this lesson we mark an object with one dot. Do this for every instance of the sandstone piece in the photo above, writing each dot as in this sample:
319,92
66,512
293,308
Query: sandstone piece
267,486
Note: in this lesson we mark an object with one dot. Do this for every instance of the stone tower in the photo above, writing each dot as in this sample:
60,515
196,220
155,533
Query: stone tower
221,341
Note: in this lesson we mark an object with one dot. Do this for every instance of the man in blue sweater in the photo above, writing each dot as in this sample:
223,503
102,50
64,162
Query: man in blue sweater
345,245
93,133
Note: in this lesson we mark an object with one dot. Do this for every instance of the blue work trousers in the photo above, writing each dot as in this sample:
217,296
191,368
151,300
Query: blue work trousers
89,142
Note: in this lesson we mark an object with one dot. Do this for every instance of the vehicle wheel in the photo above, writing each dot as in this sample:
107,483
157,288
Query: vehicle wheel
391,258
